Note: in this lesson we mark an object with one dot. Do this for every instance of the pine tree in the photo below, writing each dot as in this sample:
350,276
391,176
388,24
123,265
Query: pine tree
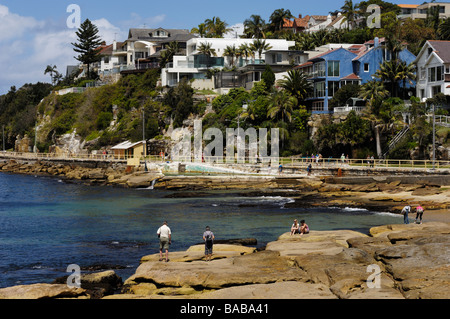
88,44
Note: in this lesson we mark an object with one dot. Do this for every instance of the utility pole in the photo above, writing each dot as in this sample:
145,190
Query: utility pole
434,136
144,145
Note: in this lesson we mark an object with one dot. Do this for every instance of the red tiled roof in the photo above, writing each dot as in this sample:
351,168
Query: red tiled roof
408,6
352,76
288,23
301,66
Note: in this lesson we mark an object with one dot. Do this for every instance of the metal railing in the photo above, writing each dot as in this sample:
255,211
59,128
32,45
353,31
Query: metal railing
293,162
442,120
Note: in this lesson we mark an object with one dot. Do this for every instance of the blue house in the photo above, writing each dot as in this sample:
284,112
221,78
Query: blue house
335,68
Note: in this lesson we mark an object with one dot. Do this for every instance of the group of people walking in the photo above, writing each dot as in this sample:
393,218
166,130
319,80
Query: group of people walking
419,214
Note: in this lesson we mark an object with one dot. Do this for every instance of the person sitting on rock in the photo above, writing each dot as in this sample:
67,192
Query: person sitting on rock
304,228
295,229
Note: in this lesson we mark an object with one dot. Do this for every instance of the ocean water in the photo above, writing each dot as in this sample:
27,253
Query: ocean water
47,224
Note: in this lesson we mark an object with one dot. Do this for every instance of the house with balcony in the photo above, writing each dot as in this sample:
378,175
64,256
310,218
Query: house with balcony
337,67
433,69
419,11
141,51
195,65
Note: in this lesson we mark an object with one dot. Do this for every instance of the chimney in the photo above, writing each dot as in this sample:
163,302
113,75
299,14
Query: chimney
300,16
376,42
115,45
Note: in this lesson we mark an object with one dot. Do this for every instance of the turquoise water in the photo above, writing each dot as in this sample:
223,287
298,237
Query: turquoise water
47,224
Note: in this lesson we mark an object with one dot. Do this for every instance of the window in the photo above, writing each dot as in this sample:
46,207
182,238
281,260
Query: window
319,69
422,73
435,90
439,73
333,68
319,89
366,67
279,57
447,69
333,87
436,74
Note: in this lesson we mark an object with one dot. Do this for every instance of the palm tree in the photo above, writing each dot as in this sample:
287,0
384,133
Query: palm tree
349,12
297,84
407,72
231,52
244,51
373,91
206,48
389,71
254,27
281,103
216,27
167,54
278,17
444,30
201,30
259,46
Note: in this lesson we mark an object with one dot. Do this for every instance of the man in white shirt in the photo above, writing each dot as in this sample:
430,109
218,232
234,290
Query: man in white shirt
165,238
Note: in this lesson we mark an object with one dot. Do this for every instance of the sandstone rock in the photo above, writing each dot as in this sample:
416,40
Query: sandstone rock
278,290
320,242
260,267
242,250
142,180
421,266
41,291
193,255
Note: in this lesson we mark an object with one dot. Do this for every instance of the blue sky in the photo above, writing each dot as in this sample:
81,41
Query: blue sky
34,34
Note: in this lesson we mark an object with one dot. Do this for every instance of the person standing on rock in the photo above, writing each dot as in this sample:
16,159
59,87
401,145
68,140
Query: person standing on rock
165,239
419,214
208,237
405,212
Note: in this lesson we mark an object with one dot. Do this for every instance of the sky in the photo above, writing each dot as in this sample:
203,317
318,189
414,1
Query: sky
34,34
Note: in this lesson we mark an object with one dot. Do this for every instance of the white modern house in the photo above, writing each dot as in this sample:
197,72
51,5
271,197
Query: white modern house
433,69
194,65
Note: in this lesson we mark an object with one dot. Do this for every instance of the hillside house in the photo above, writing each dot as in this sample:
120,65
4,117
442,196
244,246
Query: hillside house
356,64
433,69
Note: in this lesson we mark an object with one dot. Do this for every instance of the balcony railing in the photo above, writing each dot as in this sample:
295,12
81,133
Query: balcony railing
344,109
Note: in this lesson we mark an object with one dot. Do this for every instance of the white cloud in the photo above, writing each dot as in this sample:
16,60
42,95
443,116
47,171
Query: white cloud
108,32
27,46
13,25
238,29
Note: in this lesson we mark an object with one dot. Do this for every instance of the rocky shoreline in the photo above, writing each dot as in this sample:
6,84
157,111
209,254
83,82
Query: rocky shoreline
392,262
385,193
413,259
